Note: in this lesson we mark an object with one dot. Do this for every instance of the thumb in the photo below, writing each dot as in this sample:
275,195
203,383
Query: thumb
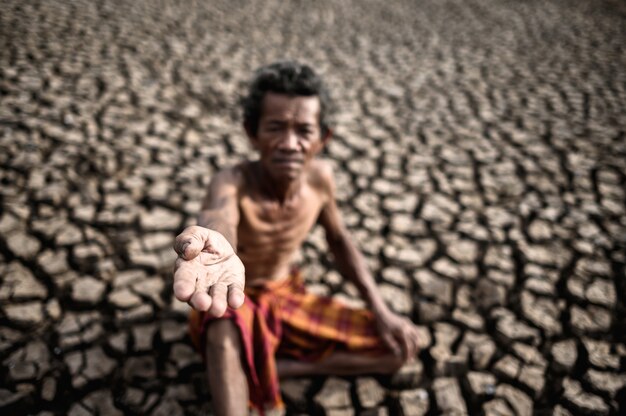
191,248
191,241
391,342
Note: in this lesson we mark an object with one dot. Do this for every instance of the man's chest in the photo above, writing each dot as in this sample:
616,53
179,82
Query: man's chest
267,222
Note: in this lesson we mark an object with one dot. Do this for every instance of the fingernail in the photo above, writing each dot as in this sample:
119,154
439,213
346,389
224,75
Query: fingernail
185,247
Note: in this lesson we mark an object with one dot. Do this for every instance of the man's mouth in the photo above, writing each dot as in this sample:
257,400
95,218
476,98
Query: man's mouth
287,162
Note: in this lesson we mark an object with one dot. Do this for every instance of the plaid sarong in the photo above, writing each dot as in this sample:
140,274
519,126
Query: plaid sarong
279,319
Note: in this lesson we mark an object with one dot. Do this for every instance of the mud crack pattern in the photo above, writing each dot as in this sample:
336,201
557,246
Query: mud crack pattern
480,154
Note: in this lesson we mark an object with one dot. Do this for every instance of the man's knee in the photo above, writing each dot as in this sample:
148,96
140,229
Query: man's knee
222,336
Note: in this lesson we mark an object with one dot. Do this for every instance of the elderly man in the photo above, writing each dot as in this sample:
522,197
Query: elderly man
254,218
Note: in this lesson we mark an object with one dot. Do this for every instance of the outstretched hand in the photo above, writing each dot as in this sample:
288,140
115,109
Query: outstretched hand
208,274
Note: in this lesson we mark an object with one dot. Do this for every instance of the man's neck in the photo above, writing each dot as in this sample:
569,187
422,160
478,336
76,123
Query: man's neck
282,192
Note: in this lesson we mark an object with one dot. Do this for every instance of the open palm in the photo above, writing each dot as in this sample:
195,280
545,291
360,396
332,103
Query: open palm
208,274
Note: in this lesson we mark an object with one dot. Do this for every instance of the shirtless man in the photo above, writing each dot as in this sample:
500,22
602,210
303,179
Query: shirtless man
256,215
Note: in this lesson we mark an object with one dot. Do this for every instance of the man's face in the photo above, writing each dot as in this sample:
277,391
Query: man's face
288,135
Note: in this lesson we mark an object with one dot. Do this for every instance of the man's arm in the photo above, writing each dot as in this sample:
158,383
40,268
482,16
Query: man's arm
398,332
220,210
208,274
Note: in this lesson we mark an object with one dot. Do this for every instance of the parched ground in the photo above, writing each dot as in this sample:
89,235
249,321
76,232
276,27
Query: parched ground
480,153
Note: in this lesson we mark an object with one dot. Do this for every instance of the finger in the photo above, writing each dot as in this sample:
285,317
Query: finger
407,348
416,340
191,241
201,301
413,338
409,335
218,293
235,296
184,280
414,347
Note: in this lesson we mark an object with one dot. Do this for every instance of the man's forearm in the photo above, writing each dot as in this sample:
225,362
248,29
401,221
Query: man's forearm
351,264
215,220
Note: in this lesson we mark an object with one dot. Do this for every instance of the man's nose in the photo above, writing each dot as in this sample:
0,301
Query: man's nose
290,141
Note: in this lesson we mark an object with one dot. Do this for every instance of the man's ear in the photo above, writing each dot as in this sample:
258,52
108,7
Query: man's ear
327,134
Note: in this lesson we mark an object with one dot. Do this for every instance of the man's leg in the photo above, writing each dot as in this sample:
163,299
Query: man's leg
226,375
340,364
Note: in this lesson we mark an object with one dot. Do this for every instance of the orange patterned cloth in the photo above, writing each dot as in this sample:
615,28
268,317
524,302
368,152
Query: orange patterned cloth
280,319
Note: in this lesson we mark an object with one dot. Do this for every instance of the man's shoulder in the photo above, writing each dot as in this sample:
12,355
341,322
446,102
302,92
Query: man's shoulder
321,175
232,175
322,167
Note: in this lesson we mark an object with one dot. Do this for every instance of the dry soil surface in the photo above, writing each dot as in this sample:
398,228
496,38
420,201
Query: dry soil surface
480,154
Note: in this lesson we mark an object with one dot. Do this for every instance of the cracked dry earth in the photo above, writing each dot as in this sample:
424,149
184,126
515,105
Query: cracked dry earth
480,157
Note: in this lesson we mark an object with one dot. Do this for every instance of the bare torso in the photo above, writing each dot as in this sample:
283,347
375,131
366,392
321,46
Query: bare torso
270,232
